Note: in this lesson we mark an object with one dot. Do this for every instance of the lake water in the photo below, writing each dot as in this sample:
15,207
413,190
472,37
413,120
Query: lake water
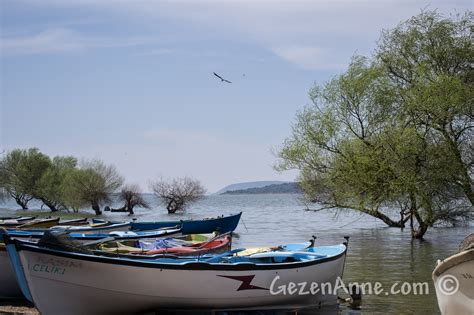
376,253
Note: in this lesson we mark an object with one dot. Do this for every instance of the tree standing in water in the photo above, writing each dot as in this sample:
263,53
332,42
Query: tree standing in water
176,194
132,197
395,129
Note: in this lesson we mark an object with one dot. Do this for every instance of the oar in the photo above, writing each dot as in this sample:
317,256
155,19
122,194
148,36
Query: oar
99,241
218,257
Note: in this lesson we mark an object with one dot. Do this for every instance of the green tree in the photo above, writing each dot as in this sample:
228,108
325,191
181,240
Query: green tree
395,129
429,59
20,170
94,183
49,188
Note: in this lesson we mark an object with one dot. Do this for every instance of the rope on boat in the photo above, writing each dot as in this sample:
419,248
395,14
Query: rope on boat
244,224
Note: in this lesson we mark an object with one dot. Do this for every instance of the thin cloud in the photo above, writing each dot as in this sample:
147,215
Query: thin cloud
63,40
157,52
49,41
309,34
309,57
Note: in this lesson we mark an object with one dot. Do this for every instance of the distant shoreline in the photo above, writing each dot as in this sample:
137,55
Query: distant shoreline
284,188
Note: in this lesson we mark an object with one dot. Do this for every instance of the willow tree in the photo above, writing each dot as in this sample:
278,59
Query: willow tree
20,171
49,188
94,183
429,59
394,130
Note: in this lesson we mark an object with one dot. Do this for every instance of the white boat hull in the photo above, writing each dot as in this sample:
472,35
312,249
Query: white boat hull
9,288
454,283
95,230
62,284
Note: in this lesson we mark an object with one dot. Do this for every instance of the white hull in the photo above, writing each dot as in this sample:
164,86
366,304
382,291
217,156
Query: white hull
9,288
94,230
64,284
457,268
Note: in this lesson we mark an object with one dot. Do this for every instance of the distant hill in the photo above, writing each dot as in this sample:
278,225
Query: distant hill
283,188
247,185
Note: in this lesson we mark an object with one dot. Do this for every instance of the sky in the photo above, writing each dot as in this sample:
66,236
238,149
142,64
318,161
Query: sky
131,82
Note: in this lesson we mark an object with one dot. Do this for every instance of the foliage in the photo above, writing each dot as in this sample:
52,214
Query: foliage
49,188
395,129
131,196
94,183
20,171
176,194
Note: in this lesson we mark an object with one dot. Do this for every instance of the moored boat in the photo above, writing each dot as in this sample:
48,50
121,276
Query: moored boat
453,278
111,285
14,221
79,221
39,224
221,224
9,288
86,237
87,229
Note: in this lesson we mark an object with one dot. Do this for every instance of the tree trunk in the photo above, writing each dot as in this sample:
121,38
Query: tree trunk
422,224
130,207
375,213
23,204
96,208
420,232
50,205
171,207
21,199
387,220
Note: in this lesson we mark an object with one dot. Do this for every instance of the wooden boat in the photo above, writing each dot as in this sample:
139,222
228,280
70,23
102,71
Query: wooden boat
222,224
91,284
87,237
9,288
10,218
105,227
39,224
79,221
453,278
14,221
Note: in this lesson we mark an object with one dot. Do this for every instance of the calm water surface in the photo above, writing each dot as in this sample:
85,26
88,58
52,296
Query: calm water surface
376,253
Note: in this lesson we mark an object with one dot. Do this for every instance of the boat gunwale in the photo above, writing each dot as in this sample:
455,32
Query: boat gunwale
452,261
197,265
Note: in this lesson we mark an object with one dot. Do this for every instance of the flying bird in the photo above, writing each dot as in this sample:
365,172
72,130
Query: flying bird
222,79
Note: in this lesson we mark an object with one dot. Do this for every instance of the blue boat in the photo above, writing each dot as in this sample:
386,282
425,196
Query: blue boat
85,237
222,224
